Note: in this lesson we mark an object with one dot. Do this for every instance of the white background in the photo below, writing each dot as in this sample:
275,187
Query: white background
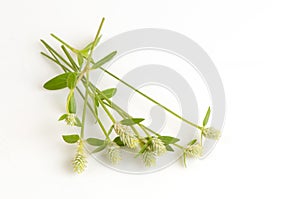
255,46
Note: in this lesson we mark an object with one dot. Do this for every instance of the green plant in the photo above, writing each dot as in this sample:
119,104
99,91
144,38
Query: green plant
76,69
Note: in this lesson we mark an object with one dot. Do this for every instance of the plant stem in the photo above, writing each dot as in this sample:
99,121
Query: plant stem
95,115
104,107
149,98
179,146
87,71
64,43
130,86
85,104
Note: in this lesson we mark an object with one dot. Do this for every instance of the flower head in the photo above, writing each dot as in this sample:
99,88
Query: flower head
158,146
70,119
79,161
113,152
211,133
126,137
149,158
194,150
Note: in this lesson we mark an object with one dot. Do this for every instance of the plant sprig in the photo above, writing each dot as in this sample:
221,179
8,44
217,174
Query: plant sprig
148,145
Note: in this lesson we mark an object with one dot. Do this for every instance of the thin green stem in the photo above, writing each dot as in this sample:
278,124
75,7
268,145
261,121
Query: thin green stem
104,107
87,70
95,115
64,43
150,99
85,105
179,146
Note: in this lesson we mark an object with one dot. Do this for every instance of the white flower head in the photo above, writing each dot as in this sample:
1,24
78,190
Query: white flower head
120,128
79,161
194,150
125,135
158,146
71,119
113,152
149,158
211,133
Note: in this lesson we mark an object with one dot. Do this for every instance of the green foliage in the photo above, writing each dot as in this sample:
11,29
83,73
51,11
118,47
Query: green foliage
71,139
131,121
71,103
58,82
95,141
104,60
118,141
206,118
72,80
108,93
168,139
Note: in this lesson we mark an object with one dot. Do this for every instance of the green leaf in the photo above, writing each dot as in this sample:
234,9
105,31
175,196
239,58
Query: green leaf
86,49
58,82
118,141
143,149
71,139
131,121
78,122
184,159
72,80
80,59
108,93
168,139
169,148
104,60
100,148
64,116
206,118
95,142
192,142
71,103
74,65
96,105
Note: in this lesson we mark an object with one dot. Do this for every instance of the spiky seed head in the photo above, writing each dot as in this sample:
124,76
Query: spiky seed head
79,161
113,152
211,133
149,158
158,146
194,151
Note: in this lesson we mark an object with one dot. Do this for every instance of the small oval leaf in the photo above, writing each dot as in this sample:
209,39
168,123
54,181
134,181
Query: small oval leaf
95,141
206,118
168,139
131,121
71,139
58,82
71,103
72,80
118,141
109,93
